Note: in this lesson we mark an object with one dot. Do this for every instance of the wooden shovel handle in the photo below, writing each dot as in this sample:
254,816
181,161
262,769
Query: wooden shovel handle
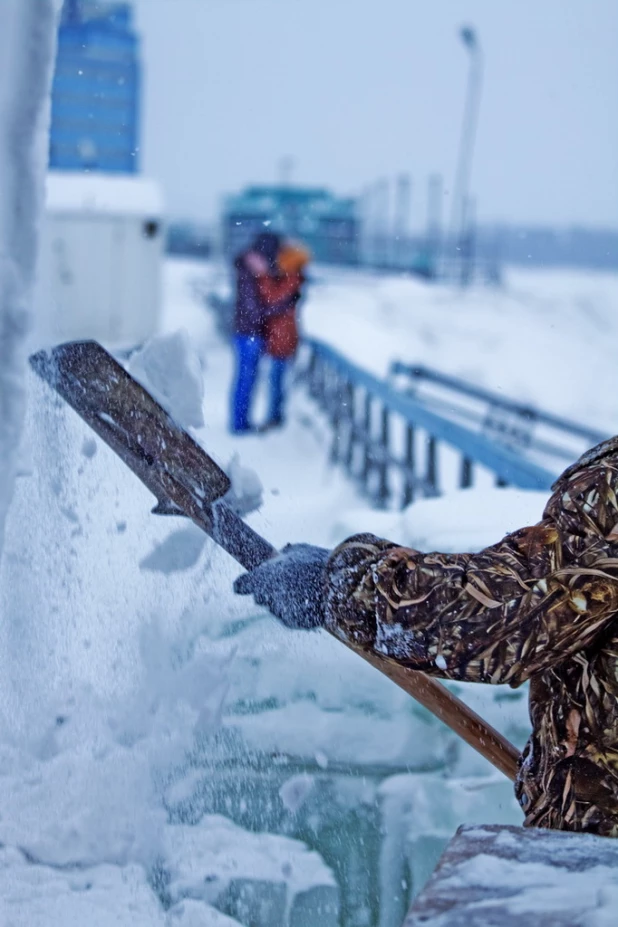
461,719
250,549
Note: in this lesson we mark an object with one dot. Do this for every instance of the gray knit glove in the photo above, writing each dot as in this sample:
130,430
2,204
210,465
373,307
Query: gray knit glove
291,585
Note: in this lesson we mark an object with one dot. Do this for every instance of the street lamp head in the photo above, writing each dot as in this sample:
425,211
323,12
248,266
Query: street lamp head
468,37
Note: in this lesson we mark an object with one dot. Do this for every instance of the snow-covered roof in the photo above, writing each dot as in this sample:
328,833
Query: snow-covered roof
127,194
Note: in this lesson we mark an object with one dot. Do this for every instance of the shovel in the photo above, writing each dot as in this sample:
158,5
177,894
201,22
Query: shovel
187,482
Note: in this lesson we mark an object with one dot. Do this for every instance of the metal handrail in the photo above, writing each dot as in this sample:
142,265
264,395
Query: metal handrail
350,395
534,414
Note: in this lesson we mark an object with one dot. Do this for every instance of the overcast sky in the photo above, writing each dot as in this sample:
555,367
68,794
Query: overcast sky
357,90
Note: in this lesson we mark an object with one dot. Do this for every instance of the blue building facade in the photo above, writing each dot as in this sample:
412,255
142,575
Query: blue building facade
328,225
96,89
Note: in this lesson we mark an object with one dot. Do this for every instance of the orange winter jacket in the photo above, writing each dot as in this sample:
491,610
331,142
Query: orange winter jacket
281,330
274,290
282,334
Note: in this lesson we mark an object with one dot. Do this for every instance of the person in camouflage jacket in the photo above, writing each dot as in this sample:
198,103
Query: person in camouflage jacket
539,606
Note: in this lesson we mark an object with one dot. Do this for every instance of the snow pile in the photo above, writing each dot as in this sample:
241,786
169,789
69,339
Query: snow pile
169,368
218,862
86,785
37,896
82,807
32,895
27,46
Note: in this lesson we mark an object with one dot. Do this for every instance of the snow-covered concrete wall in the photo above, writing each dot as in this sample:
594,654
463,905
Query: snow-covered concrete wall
27,48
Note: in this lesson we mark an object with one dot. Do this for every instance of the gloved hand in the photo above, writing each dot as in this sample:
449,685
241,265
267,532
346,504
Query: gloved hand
290,585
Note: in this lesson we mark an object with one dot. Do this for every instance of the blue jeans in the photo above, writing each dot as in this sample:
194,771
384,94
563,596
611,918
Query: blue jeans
249,349
277,394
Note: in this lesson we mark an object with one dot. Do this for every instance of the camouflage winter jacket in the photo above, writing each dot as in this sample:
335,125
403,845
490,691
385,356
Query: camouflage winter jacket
540,605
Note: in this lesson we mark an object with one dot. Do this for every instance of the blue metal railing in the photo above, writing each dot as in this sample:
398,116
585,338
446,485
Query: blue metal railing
364,410
530,431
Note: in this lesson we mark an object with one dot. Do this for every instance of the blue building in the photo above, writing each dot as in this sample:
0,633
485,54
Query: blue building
96,88
328,225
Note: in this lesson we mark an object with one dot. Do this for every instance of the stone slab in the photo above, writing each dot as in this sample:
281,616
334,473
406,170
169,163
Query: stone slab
518,877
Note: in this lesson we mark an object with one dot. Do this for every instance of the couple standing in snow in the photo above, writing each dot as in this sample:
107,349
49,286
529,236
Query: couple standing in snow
269,282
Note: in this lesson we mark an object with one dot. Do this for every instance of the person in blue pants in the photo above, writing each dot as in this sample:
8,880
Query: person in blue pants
262,293
249,349
278,368
282,330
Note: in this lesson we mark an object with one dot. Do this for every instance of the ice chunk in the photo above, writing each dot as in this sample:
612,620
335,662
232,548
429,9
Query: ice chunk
168,367
517,875
303,729
419,816
256,901
183,789
294,791
245,494
257,878
321,759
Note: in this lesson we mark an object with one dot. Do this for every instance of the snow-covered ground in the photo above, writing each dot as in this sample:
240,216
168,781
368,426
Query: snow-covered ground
546,338
144,708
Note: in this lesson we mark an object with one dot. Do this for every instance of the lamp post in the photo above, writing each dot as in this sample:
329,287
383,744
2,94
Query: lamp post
466,143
